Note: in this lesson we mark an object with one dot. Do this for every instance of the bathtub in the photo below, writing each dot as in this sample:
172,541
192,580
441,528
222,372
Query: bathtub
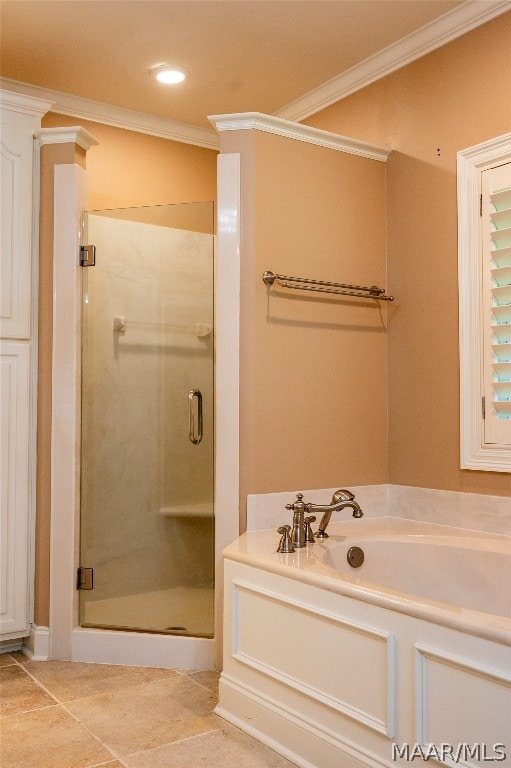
332,665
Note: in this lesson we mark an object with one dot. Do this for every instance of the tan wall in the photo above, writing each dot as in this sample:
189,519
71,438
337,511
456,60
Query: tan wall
130,169
451,99
313,409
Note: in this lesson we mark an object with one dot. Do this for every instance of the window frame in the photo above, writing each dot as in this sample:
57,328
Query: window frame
471,162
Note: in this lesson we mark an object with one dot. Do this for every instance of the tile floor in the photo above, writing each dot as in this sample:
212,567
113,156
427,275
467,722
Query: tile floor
60,714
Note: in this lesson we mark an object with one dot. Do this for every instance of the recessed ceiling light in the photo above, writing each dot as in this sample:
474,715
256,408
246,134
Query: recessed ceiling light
168,73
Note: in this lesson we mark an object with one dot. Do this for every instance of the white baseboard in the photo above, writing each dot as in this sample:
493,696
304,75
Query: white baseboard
288,733
36,646
103,646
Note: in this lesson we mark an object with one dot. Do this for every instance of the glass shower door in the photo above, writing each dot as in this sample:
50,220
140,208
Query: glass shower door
147,525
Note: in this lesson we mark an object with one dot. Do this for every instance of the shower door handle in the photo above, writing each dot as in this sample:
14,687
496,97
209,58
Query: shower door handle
195,438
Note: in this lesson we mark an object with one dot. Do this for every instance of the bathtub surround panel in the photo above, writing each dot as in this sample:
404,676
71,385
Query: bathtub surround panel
450,664
349,686
473,511
442,680
294,718
268,510
468,511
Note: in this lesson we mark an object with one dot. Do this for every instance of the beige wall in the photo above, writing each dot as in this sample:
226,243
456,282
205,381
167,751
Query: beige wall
451,99
131,169
313,404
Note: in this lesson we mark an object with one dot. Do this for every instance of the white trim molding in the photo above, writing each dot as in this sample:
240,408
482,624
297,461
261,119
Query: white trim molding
118,117
70,200
475,453
73,135
17,101
244,121
443,30
227,390
380,643
36,646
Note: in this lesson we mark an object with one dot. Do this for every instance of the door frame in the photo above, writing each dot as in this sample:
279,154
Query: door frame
67,639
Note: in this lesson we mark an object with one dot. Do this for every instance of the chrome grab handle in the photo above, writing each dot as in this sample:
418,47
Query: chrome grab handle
195,439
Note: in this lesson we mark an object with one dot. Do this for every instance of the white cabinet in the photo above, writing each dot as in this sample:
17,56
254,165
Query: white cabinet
20,117
15,482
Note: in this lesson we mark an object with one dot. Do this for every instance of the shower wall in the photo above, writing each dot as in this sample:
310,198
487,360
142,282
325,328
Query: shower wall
148,317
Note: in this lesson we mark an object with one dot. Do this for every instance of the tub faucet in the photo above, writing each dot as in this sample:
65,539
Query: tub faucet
298,530
340,500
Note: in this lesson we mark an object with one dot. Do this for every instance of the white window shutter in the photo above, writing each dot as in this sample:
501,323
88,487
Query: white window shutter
496,303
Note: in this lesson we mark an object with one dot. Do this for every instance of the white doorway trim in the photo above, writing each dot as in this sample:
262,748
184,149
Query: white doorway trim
67,639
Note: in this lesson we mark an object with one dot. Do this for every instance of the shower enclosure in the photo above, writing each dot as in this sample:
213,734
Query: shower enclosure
147,523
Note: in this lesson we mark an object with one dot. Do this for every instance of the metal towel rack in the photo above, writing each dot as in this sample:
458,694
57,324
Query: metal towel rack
304,284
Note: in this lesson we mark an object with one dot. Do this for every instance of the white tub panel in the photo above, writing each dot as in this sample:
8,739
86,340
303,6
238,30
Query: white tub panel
357,678
289,734
293,648
468,692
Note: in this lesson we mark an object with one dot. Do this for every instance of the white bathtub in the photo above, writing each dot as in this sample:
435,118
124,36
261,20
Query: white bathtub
331,665
432,565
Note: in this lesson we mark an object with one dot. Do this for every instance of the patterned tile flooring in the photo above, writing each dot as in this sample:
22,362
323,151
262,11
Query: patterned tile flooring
60,714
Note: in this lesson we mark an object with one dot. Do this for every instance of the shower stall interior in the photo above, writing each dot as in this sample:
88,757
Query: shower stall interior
147,521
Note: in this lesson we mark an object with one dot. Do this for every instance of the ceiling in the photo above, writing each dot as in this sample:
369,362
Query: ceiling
241,55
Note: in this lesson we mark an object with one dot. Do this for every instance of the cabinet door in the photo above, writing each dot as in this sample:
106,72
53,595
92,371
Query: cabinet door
14,485
16,165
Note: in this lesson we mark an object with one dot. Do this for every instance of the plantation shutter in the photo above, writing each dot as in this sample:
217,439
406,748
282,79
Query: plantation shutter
496,303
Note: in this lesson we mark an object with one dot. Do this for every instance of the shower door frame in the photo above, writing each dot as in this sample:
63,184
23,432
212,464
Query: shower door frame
67,640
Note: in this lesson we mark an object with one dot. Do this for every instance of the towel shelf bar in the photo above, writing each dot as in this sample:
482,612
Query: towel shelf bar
323,286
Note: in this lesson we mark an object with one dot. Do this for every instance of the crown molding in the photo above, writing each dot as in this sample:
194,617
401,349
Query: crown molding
459,21
443,30
74,134
118,117
21,102
243,121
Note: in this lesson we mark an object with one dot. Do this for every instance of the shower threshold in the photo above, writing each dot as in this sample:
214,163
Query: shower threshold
183,611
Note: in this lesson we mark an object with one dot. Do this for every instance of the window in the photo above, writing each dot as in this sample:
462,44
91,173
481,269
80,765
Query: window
484,249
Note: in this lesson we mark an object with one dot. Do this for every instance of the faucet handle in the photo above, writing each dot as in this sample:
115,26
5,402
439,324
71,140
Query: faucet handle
309,536
285,543
342,495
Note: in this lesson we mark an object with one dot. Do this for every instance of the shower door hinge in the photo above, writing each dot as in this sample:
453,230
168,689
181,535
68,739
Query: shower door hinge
483,407
87,255
85,578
